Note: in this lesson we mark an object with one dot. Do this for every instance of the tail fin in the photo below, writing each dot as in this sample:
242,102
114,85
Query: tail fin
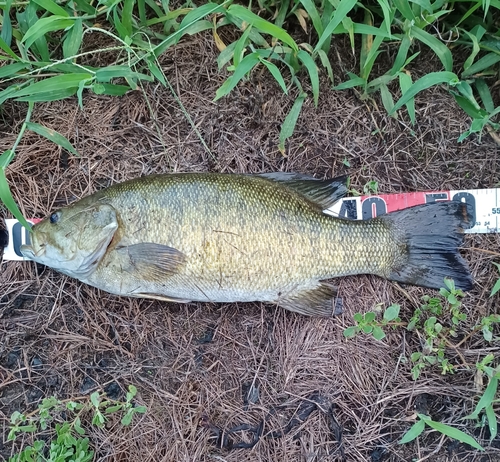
432,234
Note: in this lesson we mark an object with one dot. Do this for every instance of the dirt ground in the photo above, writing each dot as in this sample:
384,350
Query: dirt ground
205,370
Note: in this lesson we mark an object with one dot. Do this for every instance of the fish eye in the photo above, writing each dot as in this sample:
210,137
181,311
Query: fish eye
54,218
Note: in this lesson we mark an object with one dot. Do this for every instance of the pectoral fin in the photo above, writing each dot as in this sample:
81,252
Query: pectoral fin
316,301
152,261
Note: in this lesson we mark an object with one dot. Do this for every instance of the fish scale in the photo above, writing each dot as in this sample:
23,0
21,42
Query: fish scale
227,238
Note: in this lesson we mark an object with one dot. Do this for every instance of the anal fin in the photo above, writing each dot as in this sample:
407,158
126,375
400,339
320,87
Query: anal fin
320,300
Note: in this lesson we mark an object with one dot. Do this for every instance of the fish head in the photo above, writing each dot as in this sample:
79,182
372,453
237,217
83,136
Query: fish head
74,239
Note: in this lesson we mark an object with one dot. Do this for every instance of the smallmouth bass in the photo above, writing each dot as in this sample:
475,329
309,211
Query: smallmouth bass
238,238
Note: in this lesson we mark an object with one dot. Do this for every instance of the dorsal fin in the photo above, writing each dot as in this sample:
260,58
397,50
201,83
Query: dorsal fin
324,193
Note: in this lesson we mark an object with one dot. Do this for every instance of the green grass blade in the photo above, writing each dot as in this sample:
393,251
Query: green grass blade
239,48
326,63
427,81
157,73
441,50
344,7
11,69
403,6
45,96
246,64
387,13
492,421
73,39
405,83
486,399
126,16
7,49
313,13
290,121
105,74
387,100
262,25
44,25
6,32
273,69
454,433
482,64
200,12
414,432
8,200
53,136
399,62
312,69
53,7
59,82
109,89
475,39
354,81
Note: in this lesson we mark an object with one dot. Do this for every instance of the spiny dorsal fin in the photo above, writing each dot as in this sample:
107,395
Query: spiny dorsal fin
152,261
320,300
324,193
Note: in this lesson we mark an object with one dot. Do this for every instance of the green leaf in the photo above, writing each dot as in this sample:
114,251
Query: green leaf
246,64
415,431
6,48
454,433
405,9
405,83
387,100
485,95
11,69
105,74
48,96
427,81
441,50
326,63
59,82
273,69
350,332
127,419
392,312
496,287
8,200
343,8
240,45
109,89
53,7
482,64
95,399
73,39
354,81
378,333
492,421
77,425
44,25
310,65
290,121
486,399
313,13
52,135
369,316
261,24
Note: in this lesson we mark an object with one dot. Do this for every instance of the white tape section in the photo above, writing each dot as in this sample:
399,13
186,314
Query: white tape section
484,205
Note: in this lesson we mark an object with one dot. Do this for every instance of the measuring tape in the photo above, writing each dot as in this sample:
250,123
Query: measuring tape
483,205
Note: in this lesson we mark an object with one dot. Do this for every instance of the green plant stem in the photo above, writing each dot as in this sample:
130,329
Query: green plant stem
23,128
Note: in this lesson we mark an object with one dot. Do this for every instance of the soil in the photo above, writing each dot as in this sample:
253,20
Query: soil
217,378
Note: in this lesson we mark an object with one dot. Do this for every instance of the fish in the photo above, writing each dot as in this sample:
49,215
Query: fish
212,237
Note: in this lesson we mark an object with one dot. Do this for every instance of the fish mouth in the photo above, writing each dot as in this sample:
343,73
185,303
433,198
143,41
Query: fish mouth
29,252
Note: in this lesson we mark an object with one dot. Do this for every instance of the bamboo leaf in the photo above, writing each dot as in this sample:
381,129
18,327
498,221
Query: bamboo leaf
354,81
11,69
312,11
427,81
482,64
290,121
53,136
